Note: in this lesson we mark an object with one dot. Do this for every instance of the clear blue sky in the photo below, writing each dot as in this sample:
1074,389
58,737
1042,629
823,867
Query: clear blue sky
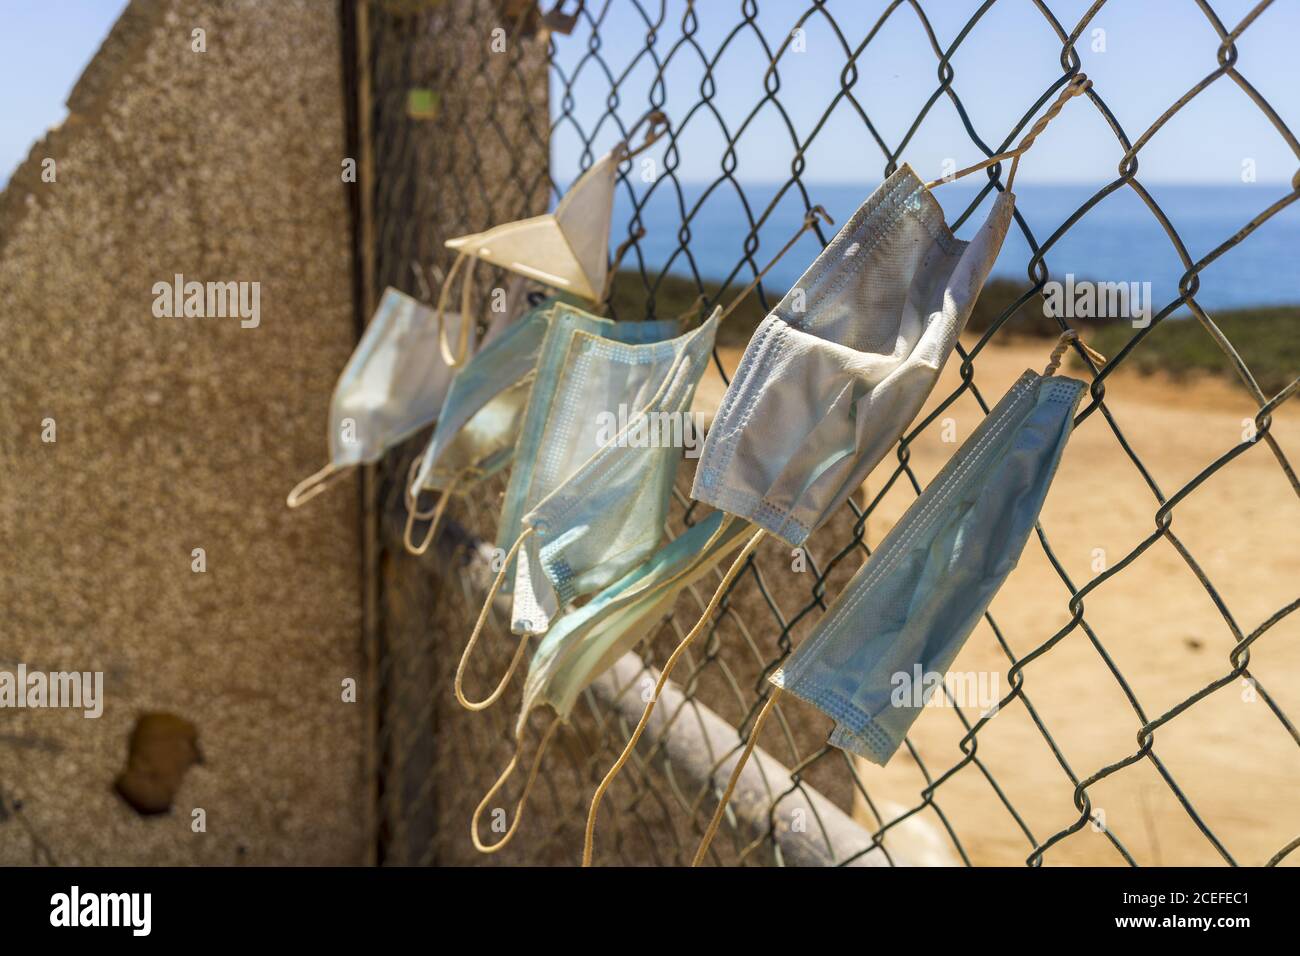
1155,50
44,46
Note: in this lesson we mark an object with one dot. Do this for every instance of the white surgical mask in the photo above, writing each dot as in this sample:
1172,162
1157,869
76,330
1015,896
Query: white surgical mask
392,386
842,365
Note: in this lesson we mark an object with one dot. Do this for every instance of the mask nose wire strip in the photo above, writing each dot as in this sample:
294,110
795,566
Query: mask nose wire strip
478,629
313,484
1062,344
809,220
413,512
456,359
669,664
1078,84
735,777
523,797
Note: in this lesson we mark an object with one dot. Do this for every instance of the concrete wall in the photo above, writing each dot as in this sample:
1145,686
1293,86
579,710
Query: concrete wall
175,434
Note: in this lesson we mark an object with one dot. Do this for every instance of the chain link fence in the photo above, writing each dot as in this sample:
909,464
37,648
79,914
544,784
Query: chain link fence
459,102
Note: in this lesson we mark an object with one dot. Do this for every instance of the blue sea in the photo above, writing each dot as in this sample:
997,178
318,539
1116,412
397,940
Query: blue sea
1118,240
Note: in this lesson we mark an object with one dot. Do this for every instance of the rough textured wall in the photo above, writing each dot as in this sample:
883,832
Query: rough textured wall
183,433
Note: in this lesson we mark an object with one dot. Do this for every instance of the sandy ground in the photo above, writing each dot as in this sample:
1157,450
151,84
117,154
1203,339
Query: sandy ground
1235,762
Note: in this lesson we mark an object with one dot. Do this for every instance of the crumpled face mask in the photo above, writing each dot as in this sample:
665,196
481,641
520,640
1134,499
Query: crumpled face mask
836,373
586,642
588,367
392,386
607,516
567,249
476,434
587,500
932,578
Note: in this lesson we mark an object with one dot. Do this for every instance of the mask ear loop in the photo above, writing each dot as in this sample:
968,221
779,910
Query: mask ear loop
456,359
1079,83
413,497
607,293
658,121
413,512
1062,344
523,797
314,484
810,220
478,629
669,664
735,777
694,311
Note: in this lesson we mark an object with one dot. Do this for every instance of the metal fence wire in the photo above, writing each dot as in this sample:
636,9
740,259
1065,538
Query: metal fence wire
459,101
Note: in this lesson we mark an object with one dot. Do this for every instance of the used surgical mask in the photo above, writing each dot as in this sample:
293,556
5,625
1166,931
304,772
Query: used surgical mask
909,610
587,368
587,502
932,578
836,373
392,386
477,432
586,642
607,516
850,386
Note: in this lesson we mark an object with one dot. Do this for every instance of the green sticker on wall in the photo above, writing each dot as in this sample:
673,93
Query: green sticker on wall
422,104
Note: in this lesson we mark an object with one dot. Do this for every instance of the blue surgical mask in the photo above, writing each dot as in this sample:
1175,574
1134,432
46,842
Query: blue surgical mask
608,515
479,426
587,367
924,589
587,502
586,642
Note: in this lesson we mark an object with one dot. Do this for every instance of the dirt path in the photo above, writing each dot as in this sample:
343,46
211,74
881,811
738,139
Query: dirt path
1237,765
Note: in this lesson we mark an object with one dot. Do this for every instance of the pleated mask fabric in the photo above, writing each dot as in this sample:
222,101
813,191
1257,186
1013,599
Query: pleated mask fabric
586,642
479,427
915,602
393,385
588,367
835,374
608,516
